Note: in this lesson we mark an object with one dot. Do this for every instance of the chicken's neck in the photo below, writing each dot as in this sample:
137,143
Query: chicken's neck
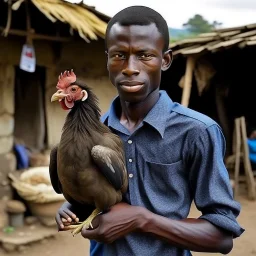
83,119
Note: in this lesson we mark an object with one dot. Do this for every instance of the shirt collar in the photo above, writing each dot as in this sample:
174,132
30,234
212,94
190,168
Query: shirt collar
156,117
159,114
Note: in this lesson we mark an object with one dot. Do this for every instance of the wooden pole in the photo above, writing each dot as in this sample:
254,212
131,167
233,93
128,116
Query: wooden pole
247,165
188,81
18,32
237,155
9,19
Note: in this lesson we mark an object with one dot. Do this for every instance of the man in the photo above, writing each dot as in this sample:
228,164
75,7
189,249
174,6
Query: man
174,155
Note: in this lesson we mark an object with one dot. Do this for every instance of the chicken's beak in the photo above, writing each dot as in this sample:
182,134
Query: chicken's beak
59,95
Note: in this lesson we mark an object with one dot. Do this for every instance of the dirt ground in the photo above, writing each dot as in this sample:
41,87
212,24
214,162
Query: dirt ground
65,245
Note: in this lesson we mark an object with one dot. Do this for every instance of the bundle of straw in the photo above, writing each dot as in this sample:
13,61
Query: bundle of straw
88,25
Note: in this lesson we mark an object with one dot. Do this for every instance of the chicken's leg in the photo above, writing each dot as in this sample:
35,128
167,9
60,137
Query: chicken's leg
87,223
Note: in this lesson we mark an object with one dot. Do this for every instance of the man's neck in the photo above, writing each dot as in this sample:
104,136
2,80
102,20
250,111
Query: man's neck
133,113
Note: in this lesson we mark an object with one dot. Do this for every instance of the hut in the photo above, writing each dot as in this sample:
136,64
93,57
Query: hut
213,73
38,40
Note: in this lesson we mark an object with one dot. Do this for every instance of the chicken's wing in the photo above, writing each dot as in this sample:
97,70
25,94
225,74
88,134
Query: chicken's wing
53,171
111,165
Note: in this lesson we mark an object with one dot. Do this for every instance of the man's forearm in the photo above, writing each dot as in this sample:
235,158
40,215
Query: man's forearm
192,234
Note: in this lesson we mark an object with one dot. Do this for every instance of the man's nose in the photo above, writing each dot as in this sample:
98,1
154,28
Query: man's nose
131,67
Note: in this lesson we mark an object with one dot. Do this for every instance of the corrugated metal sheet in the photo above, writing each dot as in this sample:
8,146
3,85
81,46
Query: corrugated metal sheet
193,50
222,38
186,49
252,38
246,34
229,33
251,42
225,44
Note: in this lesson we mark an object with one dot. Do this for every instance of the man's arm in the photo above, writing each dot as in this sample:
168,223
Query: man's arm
192,234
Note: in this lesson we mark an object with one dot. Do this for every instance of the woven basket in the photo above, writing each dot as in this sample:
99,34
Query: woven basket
34,185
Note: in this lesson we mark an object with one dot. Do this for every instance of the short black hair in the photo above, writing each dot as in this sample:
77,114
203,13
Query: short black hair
140,15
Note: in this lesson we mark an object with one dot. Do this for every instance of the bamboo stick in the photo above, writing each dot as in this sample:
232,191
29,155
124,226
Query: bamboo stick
188,81
17,32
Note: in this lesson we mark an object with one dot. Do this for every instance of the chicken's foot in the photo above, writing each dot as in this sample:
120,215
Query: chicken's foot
87,223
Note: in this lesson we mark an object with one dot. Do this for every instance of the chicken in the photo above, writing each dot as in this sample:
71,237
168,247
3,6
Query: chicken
88,164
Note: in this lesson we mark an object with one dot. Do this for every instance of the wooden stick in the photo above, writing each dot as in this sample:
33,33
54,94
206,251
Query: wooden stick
17,32
188,81
247,163
9,19
238,155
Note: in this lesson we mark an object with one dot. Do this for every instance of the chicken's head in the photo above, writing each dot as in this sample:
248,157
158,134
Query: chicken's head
68,92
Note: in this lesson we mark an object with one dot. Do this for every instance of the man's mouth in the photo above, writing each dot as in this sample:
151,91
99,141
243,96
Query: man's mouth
131,86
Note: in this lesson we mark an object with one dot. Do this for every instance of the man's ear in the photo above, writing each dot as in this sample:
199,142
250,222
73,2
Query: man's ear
167,60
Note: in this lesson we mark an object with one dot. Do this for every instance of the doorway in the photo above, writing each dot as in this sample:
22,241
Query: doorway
30,121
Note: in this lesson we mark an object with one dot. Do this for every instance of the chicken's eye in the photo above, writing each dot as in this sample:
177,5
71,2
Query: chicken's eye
73,89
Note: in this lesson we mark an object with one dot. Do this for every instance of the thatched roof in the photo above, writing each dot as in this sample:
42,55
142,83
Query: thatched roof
88,22
222,38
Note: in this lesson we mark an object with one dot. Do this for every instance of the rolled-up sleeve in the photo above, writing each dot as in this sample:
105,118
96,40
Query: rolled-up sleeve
209,179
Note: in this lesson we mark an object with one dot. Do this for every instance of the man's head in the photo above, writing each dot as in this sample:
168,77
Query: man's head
142,16
137,41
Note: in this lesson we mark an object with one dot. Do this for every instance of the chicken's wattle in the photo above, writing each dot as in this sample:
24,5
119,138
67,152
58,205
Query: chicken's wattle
66,105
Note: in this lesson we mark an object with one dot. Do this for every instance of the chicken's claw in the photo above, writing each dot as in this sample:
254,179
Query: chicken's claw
77,228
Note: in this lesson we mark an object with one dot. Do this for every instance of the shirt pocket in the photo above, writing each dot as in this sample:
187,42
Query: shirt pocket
165,170
165,183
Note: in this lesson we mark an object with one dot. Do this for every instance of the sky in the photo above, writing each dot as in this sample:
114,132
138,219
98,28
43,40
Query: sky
230,13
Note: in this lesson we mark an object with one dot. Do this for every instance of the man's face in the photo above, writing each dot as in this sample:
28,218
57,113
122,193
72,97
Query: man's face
135,60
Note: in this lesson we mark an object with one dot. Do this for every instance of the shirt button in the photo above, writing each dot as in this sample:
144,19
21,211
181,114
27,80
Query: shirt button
129,141
130,160
130,175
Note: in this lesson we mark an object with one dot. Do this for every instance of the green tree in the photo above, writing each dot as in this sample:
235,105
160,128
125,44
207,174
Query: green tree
198,24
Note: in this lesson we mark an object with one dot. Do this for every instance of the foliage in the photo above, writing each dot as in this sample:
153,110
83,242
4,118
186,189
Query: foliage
179,34
8,229
198,24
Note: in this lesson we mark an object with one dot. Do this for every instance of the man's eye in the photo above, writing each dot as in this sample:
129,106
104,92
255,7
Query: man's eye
118,56
145,56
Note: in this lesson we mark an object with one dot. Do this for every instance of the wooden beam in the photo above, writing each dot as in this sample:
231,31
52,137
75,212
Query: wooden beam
188,80
9,18
251,186
237,155
17,32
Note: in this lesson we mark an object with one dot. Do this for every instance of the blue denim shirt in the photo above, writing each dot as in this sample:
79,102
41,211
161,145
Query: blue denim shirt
173,157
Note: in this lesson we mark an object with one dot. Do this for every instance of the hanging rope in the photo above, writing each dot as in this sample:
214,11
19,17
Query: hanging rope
29,36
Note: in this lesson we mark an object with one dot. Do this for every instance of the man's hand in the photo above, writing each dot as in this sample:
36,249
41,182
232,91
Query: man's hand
65,217
121,220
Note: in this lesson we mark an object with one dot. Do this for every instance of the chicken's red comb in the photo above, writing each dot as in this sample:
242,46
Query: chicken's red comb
65,79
